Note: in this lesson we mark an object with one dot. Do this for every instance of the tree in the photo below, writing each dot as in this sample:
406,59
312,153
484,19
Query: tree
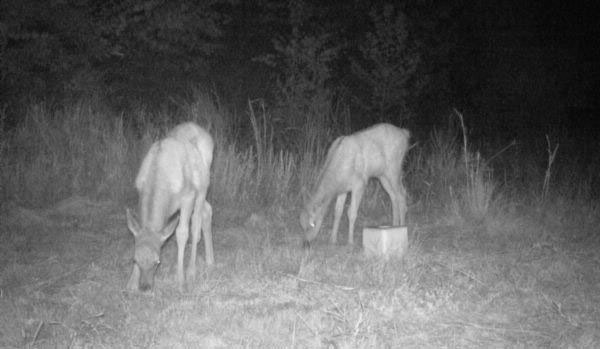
303,60
387,61
126,46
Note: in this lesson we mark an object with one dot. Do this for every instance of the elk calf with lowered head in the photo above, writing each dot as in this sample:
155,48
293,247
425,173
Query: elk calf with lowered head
174,178
377,151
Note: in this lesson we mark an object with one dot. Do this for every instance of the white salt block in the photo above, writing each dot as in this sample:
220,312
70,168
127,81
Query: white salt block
385,241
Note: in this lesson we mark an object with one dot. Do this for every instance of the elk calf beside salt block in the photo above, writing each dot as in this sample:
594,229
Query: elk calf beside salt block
385,241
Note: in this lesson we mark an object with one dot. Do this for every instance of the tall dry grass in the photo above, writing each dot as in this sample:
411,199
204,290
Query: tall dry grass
55,153
85,149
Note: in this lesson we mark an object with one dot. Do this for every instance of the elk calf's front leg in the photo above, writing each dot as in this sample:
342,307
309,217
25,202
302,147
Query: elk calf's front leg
134,279
337,216
353,212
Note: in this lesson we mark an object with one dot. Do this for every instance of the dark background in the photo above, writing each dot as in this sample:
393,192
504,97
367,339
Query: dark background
515,69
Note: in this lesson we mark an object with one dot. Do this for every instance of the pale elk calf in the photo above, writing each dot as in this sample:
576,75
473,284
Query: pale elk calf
174,177
377,151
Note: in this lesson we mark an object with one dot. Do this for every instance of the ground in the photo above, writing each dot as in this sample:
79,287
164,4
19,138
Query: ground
63,272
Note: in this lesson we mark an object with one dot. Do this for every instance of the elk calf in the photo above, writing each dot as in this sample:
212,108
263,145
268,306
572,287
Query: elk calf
173,178
377,151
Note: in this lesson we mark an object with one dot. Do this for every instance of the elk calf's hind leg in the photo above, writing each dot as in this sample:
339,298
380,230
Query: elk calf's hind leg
402,207
393,192
182,235
196,225
207,233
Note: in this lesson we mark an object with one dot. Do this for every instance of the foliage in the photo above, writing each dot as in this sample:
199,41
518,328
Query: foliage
83,149
434,26
61,48
303,60
388,60
43,42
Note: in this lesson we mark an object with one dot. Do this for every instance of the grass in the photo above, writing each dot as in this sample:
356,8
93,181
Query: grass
485,268
63,285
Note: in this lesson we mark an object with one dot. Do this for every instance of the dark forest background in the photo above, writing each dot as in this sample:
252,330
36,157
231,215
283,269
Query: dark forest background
512,67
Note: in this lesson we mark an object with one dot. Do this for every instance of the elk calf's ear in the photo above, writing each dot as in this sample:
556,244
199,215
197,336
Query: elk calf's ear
133,223
168,229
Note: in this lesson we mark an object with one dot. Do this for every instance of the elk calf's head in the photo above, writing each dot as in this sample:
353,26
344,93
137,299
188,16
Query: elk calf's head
310,221
147,248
